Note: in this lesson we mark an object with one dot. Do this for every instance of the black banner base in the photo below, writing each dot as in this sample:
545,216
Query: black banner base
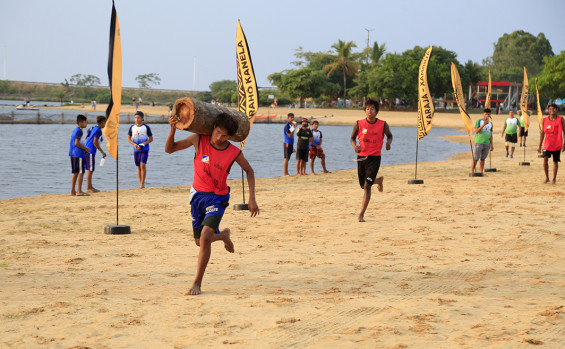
117,229
490,169
475,174
241,207
524,164
416,181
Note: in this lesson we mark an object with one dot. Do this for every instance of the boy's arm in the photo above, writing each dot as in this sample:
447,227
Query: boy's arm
354,138
388,136
171,146
79,145
148,141
97,145
242,162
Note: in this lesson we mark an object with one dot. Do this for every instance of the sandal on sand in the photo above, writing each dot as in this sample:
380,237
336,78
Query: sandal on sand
83,194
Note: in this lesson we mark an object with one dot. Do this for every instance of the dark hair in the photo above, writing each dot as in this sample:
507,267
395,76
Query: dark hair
290,114
487,110
315,122
553,105
100,119
140,113
226,122
80,118
372,102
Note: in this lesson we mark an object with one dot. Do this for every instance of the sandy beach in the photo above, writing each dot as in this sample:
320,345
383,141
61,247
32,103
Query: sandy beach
455,262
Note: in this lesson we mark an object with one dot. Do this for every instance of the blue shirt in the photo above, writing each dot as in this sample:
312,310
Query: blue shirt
287,139
73,149
140,134
93,132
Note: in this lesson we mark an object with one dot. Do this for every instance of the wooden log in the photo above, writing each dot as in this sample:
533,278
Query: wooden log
198,117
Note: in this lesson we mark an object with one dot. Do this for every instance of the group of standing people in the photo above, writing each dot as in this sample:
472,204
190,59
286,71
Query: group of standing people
84,145
309,145
551,139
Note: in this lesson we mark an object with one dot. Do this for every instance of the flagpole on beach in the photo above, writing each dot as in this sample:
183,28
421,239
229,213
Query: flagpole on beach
425,109
113,111
247,94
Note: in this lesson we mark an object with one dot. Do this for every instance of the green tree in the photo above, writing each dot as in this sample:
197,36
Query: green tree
302,83
551,81
81,83
519,49
343,60
146,81
224,90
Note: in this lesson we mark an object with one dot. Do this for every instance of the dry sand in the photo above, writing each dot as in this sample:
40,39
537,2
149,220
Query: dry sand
455,262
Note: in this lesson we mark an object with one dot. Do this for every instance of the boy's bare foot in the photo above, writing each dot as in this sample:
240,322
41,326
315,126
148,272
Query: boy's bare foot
82,194
92,190
545,182
73,194
141,187
553,182
379,182
326,171
194,291
361,219
313,173
228,244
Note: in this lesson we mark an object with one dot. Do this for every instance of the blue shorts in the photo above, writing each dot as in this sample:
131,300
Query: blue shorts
207,209
77,165
140,156
90,161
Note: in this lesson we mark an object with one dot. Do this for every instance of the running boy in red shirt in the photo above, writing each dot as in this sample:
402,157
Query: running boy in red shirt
209,195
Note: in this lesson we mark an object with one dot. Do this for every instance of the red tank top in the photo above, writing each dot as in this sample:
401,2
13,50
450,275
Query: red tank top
553,134
371,137
212,166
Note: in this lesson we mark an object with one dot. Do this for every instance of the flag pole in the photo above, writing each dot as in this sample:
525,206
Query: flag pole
416,181
113,111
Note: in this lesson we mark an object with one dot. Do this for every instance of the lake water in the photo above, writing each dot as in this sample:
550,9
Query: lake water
34,158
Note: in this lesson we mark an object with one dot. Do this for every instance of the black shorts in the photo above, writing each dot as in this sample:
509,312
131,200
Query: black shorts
556,155
511,138
367,170
302,154
287,150
522,133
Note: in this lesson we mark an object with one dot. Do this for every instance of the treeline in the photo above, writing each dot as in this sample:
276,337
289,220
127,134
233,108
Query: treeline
19,90
345,74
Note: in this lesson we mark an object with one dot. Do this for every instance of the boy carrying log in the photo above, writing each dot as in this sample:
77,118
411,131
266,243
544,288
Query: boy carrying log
209,195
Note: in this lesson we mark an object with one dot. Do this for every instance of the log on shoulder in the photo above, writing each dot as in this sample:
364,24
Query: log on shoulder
198,117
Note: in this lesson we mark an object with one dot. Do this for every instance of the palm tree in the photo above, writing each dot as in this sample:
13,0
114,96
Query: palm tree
343,60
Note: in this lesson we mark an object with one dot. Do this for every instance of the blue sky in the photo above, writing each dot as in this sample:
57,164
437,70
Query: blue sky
49,41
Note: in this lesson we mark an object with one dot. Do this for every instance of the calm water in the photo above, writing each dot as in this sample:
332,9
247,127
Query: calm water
34,158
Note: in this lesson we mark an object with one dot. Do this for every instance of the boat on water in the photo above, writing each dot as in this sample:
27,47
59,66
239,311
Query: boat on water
29,107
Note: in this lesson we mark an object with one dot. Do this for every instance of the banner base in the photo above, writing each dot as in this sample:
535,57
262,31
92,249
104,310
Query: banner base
490,169
524,163
241,207
416,181
475,174
117,229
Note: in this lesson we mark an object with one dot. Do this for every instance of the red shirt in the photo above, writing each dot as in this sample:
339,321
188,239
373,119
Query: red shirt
212,166
553,131
371,137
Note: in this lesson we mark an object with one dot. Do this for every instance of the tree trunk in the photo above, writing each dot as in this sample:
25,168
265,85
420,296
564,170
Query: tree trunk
199,117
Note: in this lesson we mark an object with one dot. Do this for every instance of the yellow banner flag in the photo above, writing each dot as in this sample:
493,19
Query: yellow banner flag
425,103
524,102
247,96
489,90
458,93
115,77
540,112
